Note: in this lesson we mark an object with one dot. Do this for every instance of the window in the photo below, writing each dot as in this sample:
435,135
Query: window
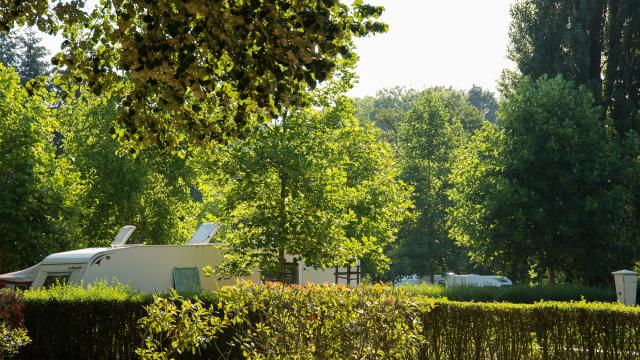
56,279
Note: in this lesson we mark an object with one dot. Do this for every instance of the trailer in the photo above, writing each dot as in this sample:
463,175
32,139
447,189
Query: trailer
451,279
145,268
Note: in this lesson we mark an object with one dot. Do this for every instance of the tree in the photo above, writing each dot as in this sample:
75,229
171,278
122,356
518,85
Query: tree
484,101
152,191
40,193
387,110
315,184
540,196
22,51
583,41
427,139
175,64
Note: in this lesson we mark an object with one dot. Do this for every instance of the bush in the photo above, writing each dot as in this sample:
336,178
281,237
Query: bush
13,335
519,294
290,322
320,322
546,331
71,322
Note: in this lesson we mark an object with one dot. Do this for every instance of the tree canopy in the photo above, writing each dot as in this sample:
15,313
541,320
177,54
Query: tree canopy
22,51
40,193
315,184
591,42
540,196
196,71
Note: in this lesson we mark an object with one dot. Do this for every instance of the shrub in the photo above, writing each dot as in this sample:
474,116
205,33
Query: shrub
290,322
71,322
13,335
545,331
274,322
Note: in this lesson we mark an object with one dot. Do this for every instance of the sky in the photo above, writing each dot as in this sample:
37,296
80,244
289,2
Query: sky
455,43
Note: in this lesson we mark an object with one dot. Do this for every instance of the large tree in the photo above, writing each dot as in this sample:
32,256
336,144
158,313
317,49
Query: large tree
592,42
314,183
22,51
540,195
193,71
427,140
387,109
40,193
152,191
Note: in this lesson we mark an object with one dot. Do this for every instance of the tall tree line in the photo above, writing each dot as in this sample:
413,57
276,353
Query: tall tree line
425,128
591,42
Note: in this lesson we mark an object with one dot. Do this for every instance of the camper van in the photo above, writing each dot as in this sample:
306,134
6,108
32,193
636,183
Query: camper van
146,268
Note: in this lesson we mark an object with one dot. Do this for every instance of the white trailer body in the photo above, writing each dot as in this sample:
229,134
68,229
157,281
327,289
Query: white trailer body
300,273
346,276
145,268
476,280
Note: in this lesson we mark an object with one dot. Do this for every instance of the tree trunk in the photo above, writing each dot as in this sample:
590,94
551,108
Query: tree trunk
282,210
613,62
597,20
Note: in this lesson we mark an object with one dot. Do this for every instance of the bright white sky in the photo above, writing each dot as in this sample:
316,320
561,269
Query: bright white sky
454,43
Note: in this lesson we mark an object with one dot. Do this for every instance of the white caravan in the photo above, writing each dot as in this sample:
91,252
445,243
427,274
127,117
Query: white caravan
146,268
451,279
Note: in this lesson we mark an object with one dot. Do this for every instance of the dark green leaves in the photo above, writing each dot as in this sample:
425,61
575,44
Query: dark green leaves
243,61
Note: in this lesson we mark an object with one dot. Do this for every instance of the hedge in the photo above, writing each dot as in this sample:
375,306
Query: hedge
67,322
548,330
103,324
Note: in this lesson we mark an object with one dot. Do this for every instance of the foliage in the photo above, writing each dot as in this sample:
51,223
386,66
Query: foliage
94,292
315,184
590,42
152,191
518,294
40,192
387,110
13,335
106,323
64,186
427,139
484,101
275,321
189,72
74,322
542,331
539,196
22,51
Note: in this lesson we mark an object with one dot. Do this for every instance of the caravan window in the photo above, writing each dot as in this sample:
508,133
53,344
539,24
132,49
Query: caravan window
56,279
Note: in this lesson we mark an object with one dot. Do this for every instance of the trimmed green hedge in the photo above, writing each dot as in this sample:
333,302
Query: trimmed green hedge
549,331
75,323
102,323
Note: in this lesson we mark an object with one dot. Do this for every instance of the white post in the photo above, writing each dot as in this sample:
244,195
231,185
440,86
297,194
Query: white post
626,285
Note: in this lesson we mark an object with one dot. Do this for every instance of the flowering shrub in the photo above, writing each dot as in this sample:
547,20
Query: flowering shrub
275,321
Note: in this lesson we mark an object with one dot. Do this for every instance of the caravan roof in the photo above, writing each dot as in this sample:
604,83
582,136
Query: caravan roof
74,256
